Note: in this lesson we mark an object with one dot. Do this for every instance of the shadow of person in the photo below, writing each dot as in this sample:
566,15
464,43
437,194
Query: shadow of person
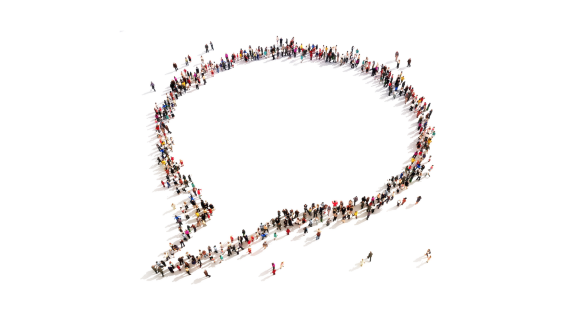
199,280
423,263
148,276
297,237
356,266
265,278
361,220
184,274
419,259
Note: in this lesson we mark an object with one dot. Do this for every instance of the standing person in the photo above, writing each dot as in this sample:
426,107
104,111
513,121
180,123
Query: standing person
187,270
318,234
153,87
370,256
281,265
418,200
154,267
404,200
409,62
305,230
206,273
160,269
210,43
428,253
287,231
206,49
273,266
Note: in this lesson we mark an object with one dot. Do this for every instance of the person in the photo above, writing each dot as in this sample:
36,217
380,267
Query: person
409,62
362,261
404,200
288,231
187,270
211,45
206,273
370,256
275,235
281,265
396,55
273,272
153,87
318,234
273,266
160,269
305,230
418,200
154,267
206,49
428,253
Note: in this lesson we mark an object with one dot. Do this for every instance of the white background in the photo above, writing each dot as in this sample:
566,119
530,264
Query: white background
85,215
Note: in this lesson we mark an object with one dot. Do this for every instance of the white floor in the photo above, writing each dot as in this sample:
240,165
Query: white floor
497,212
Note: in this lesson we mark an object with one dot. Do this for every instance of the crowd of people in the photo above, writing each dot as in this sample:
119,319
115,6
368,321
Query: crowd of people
316,216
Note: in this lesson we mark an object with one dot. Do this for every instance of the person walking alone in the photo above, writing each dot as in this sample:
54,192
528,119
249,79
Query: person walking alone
370,256
206,273
409,62
153,87
418,200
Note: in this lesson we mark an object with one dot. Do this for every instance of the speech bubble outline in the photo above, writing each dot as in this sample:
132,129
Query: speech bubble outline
260,56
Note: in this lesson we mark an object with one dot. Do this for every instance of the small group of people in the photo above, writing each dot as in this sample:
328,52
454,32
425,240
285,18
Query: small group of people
286,219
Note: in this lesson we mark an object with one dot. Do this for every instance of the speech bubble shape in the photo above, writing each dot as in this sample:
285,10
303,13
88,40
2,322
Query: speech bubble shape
364,65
